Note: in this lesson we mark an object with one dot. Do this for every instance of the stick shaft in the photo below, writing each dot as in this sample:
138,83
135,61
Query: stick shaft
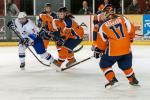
77,63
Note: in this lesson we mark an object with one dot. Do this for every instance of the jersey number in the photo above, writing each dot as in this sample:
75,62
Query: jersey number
113,28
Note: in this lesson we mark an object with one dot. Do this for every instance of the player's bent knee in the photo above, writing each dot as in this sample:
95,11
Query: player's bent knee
39,46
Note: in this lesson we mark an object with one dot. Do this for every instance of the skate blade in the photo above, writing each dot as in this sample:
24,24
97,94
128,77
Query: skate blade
113,86
136,85
58,69
22,69
71,64
50,64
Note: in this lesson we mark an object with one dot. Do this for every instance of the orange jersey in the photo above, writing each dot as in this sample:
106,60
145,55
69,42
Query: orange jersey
68,28
115,35
47,20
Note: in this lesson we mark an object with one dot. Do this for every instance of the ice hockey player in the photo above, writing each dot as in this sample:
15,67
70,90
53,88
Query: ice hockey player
71,35
45,22
29,37
115,46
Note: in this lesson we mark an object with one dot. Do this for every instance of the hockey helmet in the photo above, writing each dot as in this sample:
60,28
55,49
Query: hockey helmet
22,15
62,9
47,5
108,8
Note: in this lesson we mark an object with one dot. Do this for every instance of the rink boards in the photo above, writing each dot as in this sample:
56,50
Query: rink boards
84,43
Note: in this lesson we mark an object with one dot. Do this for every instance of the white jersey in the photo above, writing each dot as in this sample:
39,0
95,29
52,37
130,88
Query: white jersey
26,29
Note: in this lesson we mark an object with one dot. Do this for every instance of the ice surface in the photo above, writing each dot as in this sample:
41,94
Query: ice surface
83,82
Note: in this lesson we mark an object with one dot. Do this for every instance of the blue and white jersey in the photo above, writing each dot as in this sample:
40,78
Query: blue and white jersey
26,29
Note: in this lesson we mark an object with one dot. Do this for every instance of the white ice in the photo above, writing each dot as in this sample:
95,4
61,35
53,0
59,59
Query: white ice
83,82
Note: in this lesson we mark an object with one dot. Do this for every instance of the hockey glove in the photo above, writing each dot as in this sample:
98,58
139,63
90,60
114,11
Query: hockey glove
11,25
60,42
98,53
39,23
43,33
24,41
131,40
55,36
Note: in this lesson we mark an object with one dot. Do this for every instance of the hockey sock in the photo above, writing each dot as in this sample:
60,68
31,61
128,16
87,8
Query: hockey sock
129,74
70,57
108,72
22,57
63,52
46,42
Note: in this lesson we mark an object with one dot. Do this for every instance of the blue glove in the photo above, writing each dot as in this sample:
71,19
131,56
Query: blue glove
98,53
39,23
60,42
55,36
44,34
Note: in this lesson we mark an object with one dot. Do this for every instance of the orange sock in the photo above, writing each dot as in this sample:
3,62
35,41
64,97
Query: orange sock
62,53
109,74
46,43
129,73
60,61
70,56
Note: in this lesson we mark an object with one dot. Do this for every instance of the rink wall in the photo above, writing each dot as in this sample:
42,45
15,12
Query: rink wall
83,43
141,23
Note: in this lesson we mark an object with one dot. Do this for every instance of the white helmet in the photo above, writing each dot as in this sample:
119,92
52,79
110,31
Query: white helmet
22,15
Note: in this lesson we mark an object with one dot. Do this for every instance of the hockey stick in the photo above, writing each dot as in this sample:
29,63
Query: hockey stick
29,48
63,69
78,49
139,35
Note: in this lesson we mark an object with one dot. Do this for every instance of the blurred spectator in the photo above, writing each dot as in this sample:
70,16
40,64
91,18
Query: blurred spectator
134,8
127,3
119,10
147,10
106,2
85,10
12,9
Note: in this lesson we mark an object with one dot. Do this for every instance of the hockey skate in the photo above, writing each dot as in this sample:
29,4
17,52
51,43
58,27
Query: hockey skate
22,66
134,82
71,63
112,83
55,65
